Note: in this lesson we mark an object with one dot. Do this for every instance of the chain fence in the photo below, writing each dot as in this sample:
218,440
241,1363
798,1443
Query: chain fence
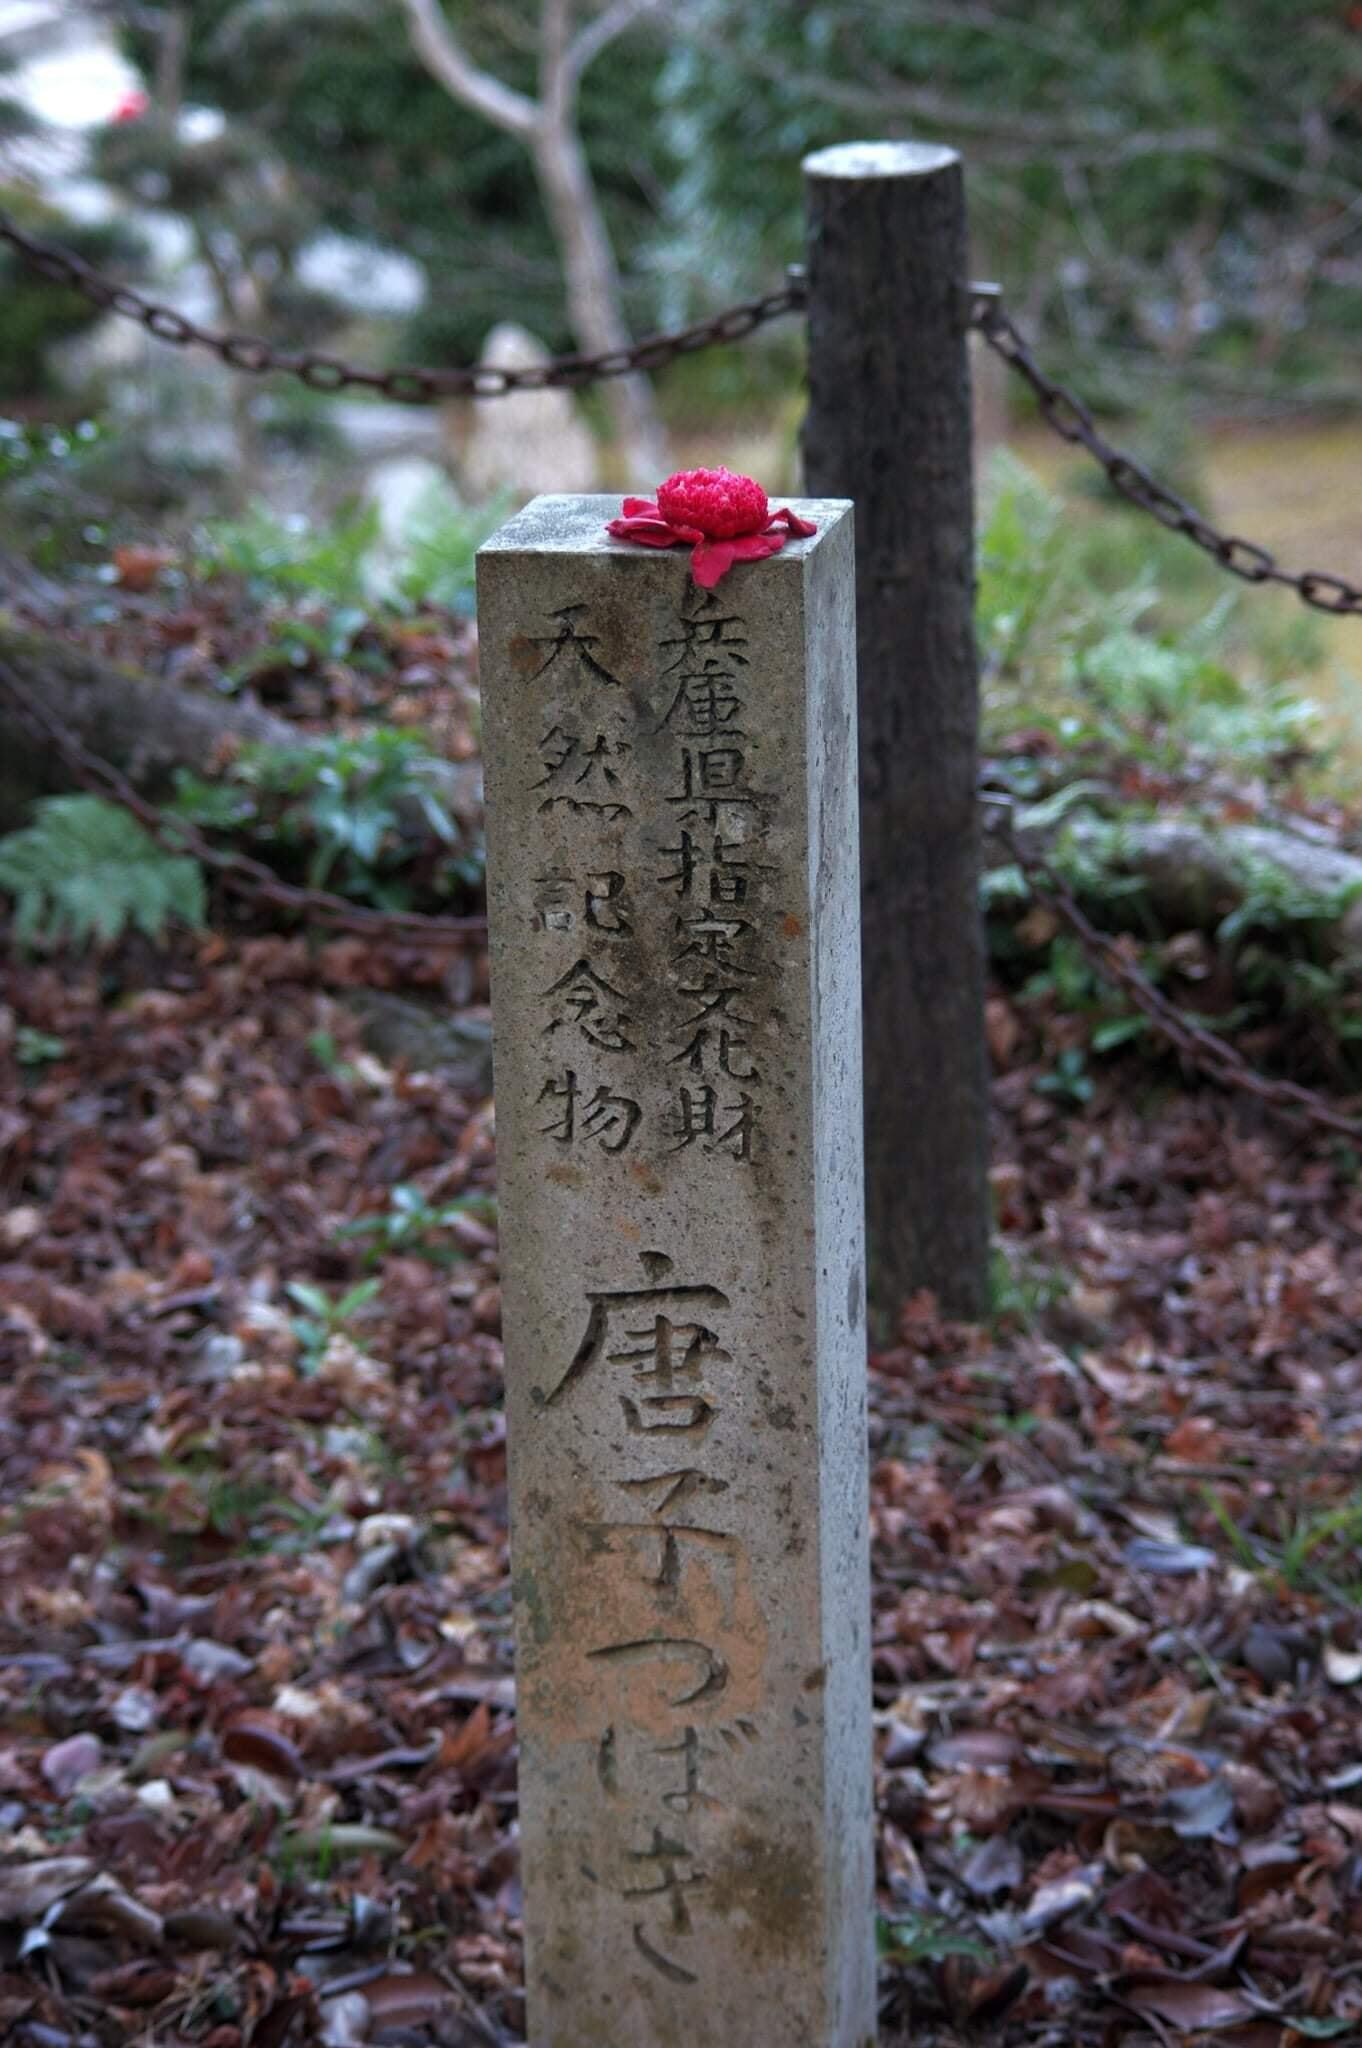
1115,960
411,384
405,383
421,384
1072,419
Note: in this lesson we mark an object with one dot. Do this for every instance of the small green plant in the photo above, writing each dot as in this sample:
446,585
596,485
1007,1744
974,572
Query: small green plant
351,806
1277,939
291,558
1309,1549
325,1051
1075,986
1025,567
344,566
435,565
234,1506
1021,1288
1068,1080
34,1048
25,448
1275,902
85,870
1098,634
1068,976
925,1938
324,1318
412,1224
302,643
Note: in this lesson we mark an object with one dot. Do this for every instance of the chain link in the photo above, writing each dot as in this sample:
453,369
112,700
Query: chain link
1116,961
419,384
407,383
237,872
411,384
1073,421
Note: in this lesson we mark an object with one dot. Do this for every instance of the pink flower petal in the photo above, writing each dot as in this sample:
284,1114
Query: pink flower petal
644,523
754,547
712,560
800,528
652,533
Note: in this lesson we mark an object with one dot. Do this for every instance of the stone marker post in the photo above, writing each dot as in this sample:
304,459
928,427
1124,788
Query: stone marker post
672,881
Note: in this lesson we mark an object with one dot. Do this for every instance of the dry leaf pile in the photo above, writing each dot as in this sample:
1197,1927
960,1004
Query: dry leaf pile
257,1764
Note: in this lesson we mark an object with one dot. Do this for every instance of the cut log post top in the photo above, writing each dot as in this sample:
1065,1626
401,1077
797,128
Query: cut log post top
889,425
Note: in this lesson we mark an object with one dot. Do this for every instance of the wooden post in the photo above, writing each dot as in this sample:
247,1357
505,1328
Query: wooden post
889,425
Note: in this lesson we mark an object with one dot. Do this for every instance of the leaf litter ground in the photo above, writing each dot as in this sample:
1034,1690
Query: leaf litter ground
257,1763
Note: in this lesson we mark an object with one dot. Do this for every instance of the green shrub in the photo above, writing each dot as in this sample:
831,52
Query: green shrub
435,561
1104,633
343,565
357,810
291,558
85,870
52,511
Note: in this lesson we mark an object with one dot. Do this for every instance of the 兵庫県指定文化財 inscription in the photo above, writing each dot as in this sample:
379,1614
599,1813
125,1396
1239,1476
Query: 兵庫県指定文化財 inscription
673,899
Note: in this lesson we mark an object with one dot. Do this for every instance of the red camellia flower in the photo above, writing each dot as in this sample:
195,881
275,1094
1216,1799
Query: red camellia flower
721,517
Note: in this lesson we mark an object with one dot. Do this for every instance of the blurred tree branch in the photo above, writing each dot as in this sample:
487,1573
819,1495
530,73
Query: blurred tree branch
447,62
549,129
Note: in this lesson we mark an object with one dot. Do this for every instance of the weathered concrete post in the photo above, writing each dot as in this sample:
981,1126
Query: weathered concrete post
672,877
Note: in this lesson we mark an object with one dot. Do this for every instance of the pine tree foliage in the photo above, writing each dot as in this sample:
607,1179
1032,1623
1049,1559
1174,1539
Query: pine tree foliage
85,870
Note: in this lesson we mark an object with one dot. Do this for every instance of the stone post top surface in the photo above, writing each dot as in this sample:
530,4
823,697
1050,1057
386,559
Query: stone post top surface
880,160
563,524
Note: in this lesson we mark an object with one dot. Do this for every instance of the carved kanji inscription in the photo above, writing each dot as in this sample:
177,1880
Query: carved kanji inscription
671,831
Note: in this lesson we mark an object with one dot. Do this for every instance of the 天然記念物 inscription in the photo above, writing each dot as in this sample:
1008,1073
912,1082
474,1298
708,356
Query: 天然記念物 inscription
672,893
583,1000
597,901
582,1113
582,775
571,647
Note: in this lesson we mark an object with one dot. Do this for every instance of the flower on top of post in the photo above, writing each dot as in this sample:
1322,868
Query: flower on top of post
722,517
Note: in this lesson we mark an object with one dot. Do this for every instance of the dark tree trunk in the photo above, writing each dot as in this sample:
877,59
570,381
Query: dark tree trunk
889,426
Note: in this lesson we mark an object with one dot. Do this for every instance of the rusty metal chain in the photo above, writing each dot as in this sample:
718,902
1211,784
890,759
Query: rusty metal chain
420,384
1073,421
1069,416
237,872
1114,958
407,383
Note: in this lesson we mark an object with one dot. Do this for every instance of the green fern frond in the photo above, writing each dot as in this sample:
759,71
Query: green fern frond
85,871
